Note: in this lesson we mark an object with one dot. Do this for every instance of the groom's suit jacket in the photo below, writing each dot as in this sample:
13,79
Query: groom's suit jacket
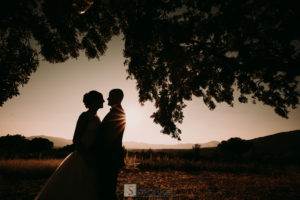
110,136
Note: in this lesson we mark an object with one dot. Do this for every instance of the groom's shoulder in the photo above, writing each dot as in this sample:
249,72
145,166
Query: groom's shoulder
118,109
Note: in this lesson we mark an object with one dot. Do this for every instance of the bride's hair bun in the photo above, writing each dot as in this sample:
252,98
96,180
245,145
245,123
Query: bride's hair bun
89,97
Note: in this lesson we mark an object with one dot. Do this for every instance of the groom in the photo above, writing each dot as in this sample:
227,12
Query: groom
110,154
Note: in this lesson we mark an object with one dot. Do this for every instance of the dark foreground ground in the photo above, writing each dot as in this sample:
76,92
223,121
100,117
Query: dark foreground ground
179,185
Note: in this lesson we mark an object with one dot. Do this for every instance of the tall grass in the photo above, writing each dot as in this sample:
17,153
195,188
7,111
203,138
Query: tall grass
147,160
190,160
33,168
190,165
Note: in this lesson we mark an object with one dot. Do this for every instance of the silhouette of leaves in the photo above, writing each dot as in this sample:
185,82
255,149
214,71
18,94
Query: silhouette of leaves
175,50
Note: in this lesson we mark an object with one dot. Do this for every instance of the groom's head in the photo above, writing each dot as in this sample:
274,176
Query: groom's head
115,97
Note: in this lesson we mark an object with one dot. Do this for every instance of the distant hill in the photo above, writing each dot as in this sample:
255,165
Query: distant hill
57,141
140,145
283,143
61,142
275,144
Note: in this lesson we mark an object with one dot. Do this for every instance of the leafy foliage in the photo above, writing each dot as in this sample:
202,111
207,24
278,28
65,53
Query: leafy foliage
17,145
235,146
174,49
196,147
51,28
13,144
40,145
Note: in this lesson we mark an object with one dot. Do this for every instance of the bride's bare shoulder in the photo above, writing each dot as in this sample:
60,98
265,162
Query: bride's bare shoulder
87,116
84,116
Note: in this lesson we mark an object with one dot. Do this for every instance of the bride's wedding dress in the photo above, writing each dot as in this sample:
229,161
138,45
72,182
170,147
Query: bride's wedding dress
74,179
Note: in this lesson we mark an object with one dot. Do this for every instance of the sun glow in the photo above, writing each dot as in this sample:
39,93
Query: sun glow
133,116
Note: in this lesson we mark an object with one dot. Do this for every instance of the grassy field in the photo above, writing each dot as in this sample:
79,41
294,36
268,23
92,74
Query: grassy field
22,179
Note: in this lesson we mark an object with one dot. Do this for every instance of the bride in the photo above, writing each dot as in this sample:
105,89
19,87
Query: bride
75,177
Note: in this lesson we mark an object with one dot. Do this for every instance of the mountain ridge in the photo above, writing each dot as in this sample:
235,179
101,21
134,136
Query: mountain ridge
272,143
61,142
282,143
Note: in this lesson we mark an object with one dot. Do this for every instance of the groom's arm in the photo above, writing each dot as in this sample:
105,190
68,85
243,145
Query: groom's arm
113,126
110,136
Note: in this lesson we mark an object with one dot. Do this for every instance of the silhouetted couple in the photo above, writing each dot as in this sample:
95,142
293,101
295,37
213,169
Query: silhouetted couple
91,171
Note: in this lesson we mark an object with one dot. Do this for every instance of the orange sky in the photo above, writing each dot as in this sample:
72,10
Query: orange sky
52,101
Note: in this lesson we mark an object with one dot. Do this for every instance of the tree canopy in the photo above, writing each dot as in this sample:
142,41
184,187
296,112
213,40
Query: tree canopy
17,145
235,145
174,49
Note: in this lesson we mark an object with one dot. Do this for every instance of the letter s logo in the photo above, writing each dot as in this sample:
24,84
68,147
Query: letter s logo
130,189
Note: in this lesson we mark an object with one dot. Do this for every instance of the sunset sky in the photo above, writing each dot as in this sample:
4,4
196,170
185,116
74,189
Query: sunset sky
52,101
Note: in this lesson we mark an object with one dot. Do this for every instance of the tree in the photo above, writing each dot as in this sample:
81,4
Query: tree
235,146
38,145
13,145
174,49
196,147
